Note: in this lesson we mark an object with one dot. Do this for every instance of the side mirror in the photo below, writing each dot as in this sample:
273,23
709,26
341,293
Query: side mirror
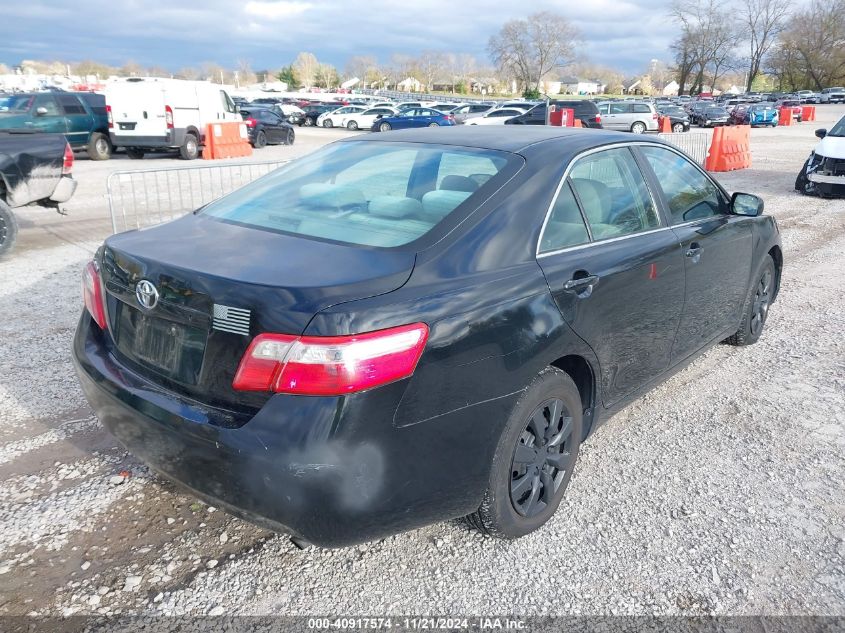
821,132
378,116
41,111
746,204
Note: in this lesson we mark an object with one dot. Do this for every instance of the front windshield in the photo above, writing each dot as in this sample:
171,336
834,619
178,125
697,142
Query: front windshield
17,104
838,129
369,194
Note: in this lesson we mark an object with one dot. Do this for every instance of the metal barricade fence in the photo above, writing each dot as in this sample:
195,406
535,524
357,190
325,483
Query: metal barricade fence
146,197
695,144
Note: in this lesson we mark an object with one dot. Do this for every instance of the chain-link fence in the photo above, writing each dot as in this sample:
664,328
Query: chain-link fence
146,197
695,144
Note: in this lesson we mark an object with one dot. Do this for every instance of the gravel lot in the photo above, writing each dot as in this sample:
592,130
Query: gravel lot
721,492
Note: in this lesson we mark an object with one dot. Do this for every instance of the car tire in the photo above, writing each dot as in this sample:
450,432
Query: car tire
433,124
99,146
755,310
327,123
506,510
638,128
352,125
384,127
260,139
290,137
8,228
308,122
190,148
134,153
678,127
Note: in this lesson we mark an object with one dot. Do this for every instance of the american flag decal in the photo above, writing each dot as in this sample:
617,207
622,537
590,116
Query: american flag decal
229,319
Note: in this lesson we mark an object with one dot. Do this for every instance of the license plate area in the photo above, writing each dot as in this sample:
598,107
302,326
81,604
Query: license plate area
126,126
171,349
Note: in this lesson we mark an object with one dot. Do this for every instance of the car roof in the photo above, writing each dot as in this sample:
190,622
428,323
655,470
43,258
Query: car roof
502,138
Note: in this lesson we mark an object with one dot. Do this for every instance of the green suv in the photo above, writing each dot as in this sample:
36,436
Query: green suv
81,117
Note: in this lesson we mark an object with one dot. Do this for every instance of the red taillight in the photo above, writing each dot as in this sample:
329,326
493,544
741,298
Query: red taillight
598,118
250,122
110,117
67,162
92,293
654,116
330,365
168,117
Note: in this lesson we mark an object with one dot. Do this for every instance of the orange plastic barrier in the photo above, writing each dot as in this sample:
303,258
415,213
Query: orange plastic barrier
730,149
808,113
578,123
226,140
664,124
785,116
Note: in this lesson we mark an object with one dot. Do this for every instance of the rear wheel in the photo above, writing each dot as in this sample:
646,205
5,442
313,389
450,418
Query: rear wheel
352,125
8,228
290,137
135,153
678,127
384,127
433,124
190,148
260,139
99,146
534,460
756,308
638,127
308,121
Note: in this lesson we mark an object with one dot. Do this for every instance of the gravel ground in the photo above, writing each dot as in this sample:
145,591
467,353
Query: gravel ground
721,492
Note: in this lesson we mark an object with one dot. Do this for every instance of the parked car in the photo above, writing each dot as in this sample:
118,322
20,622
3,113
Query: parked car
411,118
35,168
793,105
337,116
448,323
311,113
365,120
265,126
808,96
153,114
824,172
710,116
534,116
832,95
444,107
631,116
470,111
756,115
80,117
499,116
584,110
678,117
291,113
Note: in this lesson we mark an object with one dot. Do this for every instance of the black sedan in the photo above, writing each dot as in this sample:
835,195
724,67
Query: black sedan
678,117
414,326
710,116
267,127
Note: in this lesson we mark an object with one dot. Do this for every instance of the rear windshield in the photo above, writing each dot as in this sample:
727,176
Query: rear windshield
368,193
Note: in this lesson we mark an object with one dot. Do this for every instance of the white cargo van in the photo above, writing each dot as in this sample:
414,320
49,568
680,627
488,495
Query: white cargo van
149,113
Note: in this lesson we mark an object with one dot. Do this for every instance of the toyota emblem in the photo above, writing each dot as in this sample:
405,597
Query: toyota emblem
146,294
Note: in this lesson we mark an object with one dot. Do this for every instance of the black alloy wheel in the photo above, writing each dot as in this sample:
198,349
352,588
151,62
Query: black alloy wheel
541,458
762,299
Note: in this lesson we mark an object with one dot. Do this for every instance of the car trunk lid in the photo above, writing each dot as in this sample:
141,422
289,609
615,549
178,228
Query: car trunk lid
184,299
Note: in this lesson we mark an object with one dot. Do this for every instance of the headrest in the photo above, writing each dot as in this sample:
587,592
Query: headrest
459,183
395,207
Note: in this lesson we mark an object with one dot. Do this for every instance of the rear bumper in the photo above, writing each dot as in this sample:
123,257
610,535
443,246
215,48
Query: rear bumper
64,190
332,471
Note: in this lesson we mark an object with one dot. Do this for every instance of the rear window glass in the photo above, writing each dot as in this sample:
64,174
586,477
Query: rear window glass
367,193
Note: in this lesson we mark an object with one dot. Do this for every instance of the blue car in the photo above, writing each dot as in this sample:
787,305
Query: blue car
762,115
413,117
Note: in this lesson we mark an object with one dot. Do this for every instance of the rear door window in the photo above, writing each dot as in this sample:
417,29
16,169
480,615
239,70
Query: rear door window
71,104
565,226
613,194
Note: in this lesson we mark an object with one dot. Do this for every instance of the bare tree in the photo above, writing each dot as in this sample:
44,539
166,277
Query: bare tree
364,67
306,66
815,43
763,21
245,74
430,65
326,76
531,48
708,37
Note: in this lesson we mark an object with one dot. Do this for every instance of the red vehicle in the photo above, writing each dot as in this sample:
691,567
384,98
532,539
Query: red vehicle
794,104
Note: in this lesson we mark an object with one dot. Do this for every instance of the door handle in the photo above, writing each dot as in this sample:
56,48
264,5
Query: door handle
582,286
694,250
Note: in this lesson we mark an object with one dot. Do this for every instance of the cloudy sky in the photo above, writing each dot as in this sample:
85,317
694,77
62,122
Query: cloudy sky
269,33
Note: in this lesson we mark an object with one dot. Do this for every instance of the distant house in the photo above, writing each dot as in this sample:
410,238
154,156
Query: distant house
574,86
671,89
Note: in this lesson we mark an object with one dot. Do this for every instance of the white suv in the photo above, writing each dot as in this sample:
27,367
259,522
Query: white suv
833,95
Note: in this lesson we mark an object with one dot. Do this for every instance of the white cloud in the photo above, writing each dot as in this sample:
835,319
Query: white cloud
275,10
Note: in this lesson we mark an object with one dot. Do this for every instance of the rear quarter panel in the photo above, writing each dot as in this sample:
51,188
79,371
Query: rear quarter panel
31,166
